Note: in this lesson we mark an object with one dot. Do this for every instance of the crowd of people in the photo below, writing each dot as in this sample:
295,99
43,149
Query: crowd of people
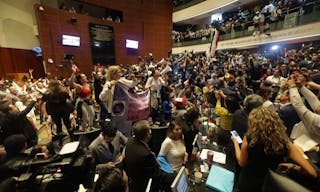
258,17
183,88
81,8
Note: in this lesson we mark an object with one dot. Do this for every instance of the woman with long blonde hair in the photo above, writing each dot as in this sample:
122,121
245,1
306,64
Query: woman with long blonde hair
113,76
264,147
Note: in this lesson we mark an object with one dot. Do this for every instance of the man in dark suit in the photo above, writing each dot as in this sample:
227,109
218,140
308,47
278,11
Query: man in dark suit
287,113
141,163
240,117
139,160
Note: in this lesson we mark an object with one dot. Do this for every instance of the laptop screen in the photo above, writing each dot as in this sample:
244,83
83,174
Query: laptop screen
180,183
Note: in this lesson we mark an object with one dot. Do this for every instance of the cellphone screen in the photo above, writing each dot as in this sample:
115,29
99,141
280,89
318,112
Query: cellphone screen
235,133
40,156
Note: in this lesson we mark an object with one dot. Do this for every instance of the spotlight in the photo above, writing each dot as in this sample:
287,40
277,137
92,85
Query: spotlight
274,47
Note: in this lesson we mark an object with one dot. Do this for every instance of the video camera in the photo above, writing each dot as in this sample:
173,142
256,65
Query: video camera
63,172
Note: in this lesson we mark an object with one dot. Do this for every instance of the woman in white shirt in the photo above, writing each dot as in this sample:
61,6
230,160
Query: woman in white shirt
155,83
173,147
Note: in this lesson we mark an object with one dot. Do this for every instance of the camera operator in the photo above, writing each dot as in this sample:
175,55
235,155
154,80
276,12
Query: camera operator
15,145
40,152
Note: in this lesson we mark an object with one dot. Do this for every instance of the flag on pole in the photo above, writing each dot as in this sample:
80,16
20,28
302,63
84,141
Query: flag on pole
214,42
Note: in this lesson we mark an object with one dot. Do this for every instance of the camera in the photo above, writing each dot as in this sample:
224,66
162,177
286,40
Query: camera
62,172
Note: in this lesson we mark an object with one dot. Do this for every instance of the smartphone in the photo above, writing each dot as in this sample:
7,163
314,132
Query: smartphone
235,133
40,156
282,169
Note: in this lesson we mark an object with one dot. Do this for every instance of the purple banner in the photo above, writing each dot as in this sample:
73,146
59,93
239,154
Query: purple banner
129,105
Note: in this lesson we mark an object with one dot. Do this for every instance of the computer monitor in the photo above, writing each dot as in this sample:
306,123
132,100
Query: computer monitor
132,44
180,183
70,40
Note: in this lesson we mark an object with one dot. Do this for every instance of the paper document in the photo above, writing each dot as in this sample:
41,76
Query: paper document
305,142
69,148
217,156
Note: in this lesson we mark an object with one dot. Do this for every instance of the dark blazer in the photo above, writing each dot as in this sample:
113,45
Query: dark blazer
289,117
240,122
140,163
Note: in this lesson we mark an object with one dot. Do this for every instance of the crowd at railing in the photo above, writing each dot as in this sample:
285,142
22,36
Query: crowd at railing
83,8
257,20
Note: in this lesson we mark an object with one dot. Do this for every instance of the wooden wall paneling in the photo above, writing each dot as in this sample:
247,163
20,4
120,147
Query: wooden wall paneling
5,61
144,20
19,61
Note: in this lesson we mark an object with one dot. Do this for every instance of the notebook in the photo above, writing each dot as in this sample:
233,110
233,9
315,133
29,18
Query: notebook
220,179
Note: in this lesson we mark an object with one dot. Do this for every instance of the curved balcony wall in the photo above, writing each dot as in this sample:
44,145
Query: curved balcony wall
306,26
200,9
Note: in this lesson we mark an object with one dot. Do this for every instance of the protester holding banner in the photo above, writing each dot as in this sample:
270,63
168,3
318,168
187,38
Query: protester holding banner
113,76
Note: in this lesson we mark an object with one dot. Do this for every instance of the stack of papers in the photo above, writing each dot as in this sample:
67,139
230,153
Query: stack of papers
305,142
217,156
69,148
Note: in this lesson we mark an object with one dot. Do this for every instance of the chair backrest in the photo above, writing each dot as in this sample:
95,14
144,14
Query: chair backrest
158,136
276,182
86,138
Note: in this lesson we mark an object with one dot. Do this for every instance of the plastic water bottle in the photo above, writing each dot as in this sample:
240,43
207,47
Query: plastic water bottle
212,115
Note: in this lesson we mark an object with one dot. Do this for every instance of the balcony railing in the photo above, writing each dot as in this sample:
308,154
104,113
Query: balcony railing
301,20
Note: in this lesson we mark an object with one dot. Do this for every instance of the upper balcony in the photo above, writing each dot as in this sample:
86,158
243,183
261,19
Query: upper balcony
293,27
199,9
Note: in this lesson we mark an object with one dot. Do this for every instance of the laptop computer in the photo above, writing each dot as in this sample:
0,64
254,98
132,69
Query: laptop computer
181,182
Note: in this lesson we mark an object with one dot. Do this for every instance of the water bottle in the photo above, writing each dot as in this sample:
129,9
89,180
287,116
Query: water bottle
212,115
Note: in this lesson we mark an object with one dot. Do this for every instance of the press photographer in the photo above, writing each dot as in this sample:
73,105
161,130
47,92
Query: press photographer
63,172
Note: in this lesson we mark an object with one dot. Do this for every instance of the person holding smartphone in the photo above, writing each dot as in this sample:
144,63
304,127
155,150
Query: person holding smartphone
40,152
107,147
265,146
